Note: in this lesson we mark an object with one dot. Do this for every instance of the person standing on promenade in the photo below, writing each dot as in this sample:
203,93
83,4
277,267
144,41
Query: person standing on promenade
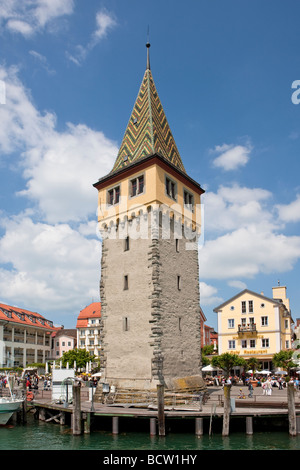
250,388
269,387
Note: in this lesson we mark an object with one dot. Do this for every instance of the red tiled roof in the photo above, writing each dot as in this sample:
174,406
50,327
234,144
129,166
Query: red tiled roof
24,317
91,311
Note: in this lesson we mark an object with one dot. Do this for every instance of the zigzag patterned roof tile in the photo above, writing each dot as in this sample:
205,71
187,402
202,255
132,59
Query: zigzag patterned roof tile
147,131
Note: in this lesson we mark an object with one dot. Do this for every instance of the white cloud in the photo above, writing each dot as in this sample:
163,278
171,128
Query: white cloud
27,17
246,252
237,285
42,60
51,264
208,294
244,236
59,167
105,21
231,157
237,206
50,254
289,212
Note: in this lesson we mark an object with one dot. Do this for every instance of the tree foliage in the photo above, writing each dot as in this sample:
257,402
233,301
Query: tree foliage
227,362
81,356
284,360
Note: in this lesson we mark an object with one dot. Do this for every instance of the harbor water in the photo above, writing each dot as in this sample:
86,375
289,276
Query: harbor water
39,435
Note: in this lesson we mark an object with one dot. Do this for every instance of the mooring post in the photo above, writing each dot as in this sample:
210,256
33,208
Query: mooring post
225,430
161,410
298,424
87,423
24,403
292,410
249,425
76,424
199,426
152,426
115,425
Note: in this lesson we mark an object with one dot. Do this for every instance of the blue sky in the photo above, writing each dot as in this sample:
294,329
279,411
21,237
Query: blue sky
69,75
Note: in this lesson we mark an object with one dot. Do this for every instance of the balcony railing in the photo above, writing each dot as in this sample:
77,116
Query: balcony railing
250,328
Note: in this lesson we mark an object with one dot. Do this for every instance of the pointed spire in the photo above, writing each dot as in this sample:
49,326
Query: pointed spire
148,55
148,51
147,131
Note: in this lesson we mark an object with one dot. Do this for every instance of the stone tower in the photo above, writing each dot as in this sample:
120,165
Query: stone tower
149,219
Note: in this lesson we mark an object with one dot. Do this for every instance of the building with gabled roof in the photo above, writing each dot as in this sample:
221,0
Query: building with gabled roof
25,337
251,324
88,328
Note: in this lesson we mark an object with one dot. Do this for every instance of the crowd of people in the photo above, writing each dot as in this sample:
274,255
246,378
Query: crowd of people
265,382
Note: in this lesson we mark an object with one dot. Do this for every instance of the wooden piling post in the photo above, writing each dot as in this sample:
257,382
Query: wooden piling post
298,424
249,425
199,426
115,425
87,423
226,415
161,410
76,424
152,426
292,410
24,403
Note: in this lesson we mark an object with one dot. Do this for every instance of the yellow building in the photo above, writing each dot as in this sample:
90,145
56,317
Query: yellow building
253,325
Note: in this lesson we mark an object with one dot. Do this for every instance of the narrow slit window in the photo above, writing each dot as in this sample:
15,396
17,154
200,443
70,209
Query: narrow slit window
179,282
177,245
126,282
126,324
126,244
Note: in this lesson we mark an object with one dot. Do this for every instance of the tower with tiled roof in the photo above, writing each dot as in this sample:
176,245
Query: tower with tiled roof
149,218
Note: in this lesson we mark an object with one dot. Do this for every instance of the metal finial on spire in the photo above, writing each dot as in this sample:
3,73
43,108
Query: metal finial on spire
148,52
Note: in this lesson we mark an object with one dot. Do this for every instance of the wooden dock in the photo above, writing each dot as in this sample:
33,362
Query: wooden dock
84,415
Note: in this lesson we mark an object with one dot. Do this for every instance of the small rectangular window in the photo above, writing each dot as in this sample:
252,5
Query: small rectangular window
113,196
137,186
170,188
231,323
179,323
243,306
188,200
264,321
126,282
250,306
177,245
179,282
231,344
126,244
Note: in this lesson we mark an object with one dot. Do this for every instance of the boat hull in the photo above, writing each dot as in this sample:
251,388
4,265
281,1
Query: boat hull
7,409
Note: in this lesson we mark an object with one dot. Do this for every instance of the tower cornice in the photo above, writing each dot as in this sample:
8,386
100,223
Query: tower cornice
141,164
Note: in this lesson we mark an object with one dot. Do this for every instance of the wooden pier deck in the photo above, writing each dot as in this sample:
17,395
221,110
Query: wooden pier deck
247,409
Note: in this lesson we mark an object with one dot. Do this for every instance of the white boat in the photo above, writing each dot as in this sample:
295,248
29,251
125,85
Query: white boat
8,405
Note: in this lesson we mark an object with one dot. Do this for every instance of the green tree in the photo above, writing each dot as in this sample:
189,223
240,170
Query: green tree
252,363
284,360
227,362
81,356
